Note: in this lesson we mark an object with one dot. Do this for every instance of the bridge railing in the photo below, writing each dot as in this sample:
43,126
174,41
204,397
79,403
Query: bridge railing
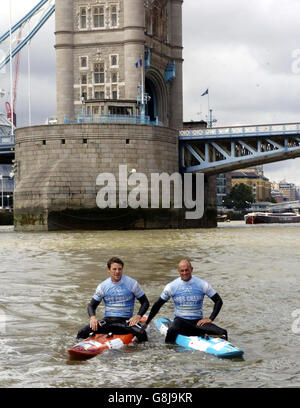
114,119
7,140
243,130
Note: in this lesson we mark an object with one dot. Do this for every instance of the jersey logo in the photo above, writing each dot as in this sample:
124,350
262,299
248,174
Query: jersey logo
188,289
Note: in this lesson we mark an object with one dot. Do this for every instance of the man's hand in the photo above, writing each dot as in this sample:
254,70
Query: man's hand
203,321
134,320
94,323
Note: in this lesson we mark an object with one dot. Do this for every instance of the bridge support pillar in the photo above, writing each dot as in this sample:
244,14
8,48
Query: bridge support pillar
56,188
209,219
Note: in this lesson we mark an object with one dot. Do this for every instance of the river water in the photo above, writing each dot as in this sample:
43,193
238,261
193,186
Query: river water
47,280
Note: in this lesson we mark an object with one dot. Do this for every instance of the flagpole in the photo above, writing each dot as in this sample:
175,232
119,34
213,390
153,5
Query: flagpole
29,79
11,70
209,122
143,90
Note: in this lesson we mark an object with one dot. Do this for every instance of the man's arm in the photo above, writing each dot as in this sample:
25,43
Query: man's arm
218,302
144,305
92,306
143,309
217,306
155,309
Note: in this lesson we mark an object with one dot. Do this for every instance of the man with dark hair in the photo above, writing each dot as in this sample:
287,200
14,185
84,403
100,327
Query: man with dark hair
188,293
118,293
114,259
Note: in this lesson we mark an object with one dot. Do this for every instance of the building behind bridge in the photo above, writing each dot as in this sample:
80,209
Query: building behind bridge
286,191
255,179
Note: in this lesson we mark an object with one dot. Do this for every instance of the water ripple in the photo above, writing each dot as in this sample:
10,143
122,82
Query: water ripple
47,279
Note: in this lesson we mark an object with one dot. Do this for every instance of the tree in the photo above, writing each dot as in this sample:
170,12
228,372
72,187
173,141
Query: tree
240,197
271,200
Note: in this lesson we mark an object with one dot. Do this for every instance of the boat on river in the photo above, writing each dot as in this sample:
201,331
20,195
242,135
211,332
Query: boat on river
271,218
222,218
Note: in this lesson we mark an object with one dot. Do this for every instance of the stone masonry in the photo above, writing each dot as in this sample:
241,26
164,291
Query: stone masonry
98,43
58,165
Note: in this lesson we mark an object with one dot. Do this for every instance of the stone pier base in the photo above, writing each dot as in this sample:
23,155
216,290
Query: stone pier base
57,168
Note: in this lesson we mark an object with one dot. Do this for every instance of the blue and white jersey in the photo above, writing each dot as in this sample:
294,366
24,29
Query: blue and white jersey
188,296
119,297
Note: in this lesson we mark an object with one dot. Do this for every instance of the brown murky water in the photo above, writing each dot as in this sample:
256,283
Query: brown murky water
47,279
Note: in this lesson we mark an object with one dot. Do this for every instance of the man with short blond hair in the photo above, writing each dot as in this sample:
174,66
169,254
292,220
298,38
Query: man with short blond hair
188,293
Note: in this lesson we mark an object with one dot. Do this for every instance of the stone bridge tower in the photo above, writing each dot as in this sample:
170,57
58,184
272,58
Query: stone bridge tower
108,52
99,42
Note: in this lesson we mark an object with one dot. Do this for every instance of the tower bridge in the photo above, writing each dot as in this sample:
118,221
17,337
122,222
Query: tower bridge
120,101
223,149
210,151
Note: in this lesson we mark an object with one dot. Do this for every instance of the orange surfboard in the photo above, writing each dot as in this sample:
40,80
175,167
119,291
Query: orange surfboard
92,346
96,344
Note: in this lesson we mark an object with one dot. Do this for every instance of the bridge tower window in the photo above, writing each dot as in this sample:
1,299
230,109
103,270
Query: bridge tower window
114,92
83,18
98,17
99,73
83,79
114,60
99,93
83,62
84,94
114,77
113,16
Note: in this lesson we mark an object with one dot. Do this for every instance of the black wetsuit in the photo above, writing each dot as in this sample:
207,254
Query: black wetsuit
189,327
115,325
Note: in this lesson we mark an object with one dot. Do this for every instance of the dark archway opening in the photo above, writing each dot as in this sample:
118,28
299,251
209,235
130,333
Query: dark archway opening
151,107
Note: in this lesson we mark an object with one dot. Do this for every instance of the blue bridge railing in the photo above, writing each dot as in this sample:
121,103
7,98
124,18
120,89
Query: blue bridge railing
7,140
114,119
7,144
237,131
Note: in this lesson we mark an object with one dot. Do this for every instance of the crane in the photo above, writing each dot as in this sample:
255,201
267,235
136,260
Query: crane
11,110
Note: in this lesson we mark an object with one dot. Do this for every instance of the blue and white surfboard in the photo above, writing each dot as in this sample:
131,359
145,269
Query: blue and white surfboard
210,345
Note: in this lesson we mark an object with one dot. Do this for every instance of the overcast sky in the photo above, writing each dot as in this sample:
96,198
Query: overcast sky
247,53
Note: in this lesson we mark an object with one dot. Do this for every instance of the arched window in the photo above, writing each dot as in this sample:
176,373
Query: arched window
113,16
155,22
83,18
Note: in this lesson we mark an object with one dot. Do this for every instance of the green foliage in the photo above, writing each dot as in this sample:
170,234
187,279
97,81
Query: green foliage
240,197
271,200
